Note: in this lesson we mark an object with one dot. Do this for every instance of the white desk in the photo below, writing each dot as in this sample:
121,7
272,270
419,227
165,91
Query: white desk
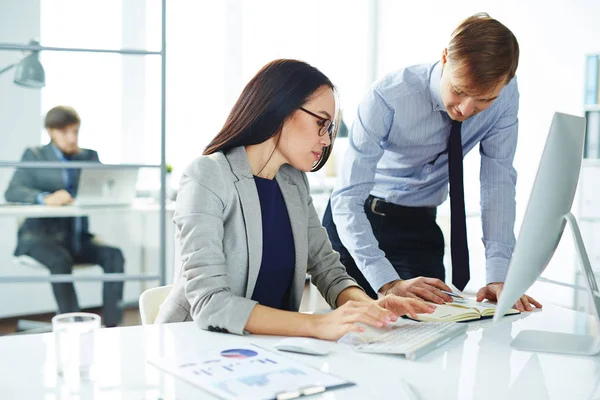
478,365
41,211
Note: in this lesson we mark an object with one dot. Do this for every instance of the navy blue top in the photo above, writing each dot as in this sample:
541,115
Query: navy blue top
278,255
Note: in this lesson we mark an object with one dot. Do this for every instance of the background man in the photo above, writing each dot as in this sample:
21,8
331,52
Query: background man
58,243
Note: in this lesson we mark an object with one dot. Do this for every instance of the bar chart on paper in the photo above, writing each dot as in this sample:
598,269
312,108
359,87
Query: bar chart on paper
276,381
248,373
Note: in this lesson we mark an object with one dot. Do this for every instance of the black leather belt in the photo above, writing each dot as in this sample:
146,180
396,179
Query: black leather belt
380,207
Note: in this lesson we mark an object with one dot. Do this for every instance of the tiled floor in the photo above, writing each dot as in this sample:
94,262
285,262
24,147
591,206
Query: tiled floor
311,300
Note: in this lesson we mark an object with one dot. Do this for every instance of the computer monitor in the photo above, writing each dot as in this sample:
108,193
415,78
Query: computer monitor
547,213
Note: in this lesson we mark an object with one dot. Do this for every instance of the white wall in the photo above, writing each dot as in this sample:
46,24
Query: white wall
19,22
20,109
214,49
553,37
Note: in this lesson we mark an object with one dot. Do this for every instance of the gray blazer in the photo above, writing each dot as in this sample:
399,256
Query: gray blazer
27,183
218,230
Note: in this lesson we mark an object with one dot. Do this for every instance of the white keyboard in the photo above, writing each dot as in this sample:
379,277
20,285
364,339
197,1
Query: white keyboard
411,339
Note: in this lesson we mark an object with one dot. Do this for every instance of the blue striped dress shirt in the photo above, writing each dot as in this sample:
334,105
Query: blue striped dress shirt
398,151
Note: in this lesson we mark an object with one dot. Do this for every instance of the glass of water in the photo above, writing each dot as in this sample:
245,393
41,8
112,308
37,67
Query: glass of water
74,341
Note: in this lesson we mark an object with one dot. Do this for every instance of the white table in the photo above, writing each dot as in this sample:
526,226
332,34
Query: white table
41,211
478,365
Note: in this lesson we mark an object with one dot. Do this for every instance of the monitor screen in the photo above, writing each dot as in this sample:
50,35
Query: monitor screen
550,201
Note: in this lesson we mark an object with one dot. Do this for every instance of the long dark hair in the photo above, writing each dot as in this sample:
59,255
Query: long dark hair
267,101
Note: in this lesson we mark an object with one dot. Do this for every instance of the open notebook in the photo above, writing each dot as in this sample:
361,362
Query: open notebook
462,310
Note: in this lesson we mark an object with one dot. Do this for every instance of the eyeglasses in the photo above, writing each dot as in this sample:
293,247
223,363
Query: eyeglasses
325,125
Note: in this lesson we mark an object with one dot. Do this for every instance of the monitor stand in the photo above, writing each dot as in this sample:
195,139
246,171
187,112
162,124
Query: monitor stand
566,343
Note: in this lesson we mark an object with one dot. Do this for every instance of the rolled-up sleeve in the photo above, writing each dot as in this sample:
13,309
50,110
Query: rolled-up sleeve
498,182
356,181
327,273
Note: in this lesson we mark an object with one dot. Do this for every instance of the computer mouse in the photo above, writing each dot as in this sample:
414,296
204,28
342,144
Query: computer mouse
305,346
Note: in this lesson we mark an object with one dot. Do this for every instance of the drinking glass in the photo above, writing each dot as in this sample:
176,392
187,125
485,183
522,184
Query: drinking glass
74,341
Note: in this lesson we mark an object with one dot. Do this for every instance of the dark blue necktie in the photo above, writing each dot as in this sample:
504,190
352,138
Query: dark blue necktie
458,226
71,187
71,183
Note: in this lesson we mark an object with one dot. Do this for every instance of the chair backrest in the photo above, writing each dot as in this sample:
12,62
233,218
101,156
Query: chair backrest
150,301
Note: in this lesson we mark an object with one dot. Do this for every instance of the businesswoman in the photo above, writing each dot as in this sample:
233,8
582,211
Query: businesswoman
247,230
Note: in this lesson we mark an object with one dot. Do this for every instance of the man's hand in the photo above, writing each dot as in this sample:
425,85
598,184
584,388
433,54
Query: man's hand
58,198
492,291
429,289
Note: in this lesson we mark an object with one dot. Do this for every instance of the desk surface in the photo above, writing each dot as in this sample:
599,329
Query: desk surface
25,210
478,365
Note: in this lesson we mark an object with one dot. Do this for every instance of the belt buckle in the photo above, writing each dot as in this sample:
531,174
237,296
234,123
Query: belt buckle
373,205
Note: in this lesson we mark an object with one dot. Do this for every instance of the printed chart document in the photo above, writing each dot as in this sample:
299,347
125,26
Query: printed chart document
249,372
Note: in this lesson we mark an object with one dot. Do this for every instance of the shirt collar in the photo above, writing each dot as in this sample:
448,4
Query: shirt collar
435,76
58,153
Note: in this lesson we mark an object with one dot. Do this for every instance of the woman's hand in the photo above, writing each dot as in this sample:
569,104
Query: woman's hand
376,313
402,305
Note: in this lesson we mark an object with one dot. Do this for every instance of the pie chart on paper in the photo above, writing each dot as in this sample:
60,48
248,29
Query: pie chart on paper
238,353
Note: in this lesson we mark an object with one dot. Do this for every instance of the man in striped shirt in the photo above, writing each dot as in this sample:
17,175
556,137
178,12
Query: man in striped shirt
381,217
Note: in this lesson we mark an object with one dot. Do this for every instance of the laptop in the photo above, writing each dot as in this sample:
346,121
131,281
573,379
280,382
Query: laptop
106,187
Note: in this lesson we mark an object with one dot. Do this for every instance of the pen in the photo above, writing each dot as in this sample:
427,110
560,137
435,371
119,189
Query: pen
287,395
307,391
452,294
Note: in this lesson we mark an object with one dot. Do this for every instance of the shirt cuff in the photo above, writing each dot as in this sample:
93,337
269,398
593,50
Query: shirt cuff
496,269
40,197
379,273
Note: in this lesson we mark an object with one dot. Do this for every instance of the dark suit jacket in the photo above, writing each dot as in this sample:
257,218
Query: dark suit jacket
25,186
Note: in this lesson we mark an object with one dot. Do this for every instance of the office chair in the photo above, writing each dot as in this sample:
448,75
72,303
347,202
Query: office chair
150,301
29,326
